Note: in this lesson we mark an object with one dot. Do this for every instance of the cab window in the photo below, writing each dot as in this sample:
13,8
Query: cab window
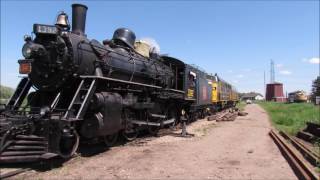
192,80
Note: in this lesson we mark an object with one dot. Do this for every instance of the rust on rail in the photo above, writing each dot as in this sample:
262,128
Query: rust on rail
296,163
311,156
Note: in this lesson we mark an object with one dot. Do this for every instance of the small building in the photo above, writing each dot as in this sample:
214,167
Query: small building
251,96
317,100
274,92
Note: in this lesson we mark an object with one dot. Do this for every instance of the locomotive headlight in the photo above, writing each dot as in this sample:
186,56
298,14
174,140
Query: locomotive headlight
26,50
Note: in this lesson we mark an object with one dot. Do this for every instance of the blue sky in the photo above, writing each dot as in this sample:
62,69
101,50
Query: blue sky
235,39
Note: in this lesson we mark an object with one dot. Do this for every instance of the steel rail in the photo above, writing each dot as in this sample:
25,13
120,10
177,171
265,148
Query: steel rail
14,173
299,167
308,154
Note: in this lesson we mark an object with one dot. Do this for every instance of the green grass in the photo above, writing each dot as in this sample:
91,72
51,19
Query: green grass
241,105
291,117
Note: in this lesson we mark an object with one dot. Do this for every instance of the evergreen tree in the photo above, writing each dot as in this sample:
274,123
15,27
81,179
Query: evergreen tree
315,91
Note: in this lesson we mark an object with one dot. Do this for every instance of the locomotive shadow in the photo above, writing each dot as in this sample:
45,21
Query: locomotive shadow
57,162
88,150
92,149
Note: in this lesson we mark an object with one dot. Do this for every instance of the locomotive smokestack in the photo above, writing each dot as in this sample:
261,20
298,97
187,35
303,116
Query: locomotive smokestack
79,13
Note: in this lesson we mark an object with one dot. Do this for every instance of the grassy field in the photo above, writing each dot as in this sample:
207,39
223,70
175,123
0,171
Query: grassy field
291,117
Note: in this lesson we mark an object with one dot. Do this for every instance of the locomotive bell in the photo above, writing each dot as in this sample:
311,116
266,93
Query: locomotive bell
62,20
126,36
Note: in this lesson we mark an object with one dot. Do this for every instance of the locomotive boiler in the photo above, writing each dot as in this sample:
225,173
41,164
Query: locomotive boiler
83,89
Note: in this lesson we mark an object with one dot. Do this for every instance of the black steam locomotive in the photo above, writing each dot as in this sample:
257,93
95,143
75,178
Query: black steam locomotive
84,89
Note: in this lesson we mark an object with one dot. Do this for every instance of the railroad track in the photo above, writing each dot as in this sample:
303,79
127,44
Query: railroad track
13,173
301,169
16,169
310,155
41,166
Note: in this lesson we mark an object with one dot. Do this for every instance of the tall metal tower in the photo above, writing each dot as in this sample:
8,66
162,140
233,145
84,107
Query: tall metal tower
272,75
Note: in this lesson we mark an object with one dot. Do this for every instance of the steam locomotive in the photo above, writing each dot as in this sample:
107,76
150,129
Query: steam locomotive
84,89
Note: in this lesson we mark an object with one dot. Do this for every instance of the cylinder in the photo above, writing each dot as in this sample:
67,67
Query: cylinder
79,13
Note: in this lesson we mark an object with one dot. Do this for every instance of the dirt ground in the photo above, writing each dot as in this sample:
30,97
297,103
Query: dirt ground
240,149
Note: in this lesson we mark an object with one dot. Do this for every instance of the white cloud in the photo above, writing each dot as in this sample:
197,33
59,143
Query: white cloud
235,81
240,76
285,72
314,60
230,71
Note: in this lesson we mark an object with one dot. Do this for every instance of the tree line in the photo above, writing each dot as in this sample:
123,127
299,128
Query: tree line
5,93
315,90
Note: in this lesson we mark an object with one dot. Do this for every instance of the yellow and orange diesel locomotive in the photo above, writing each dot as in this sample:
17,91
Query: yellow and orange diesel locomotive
223,94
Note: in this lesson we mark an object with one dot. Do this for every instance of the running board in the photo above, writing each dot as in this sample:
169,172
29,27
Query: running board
158,116
169,121
145,123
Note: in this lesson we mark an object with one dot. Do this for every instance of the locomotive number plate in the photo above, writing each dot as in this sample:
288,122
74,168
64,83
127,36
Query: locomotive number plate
44,29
